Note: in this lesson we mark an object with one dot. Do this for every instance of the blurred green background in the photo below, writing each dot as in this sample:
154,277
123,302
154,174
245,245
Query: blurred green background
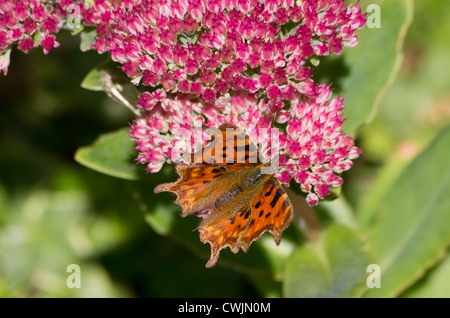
55,212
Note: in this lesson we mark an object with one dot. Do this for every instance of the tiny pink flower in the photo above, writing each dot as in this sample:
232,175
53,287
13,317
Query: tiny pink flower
190,25
146,101
196,88
322,190
154,166
167,37
221,86
192,67
243,50
308,88
131,68
30,26
25,45
159,67
150,78
250,85
168,81
184,86
207,78
265,80
312,199
39,13
284,177
145,62
273,91
165,53
209,95
159,94
48,42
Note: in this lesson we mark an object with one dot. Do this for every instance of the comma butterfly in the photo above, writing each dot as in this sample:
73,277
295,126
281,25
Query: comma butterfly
237,201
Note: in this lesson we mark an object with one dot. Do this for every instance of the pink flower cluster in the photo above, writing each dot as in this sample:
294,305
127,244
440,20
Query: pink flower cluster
244,63
210,47
30,23
312,148
209,62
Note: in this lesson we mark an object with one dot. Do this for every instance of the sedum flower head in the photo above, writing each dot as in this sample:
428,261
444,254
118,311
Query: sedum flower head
311,147
30,24
208,62
210,47
246,63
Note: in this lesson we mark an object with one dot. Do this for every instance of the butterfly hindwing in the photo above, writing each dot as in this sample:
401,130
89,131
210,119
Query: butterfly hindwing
271,211
223,232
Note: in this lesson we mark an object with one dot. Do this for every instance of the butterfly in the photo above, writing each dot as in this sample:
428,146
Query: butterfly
237,201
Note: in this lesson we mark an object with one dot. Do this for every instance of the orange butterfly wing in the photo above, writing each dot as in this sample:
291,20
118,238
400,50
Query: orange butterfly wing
223,232
195,183
269,210
235,148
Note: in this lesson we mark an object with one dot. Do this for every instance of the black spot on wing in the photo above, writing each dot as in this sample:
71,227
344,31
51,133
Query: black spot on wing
245,213
268,193
277,196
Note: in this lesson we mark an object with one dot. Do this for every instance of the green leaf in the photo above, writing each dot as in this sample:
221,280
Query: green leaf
92,81
87,39
267,287
109,78
340,211
374,62
95,79
112,154
433,284
368,206
411,231
333,266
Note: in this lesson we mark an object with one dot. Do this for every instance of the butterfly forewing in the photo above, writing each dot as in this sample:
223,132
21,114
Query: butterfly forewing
229,145
196,183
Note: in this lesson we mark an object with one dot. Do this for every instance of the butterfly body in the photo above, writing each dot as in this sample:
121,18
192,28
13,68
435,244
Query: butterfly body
237,201
234,189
